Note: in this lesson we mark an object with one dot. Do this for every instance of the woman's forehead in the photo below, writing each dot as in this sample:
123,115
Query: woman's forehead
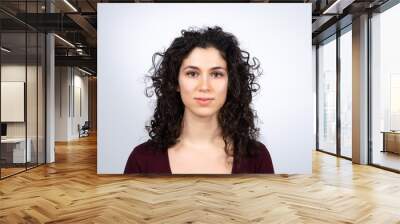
202,58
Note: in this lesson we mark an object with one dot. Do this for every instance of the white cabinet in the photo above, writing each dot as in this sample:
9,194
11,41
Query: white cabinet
18,149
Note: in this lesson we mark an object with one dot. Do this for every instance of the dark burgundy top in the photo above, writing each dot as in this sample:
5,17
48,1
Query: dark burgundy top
146,159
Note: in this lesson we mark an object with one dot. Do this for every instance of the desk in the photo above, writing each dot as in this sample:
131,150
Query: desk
391,141
15,148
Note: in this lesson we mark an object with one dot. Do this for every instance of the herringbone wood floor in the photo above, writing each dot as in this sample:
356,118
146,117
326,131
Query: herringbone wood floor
70,191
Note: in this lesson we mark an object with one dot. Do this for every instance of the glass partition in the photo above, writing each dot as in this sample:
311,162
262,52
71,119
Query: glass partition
13,105
327,96
41,91
32,95
22,77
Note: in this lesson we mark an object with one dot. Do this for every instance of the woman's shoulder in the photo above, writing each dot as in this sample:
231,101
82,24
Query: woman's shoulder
260,148
145,148
146,158
262,161
145,151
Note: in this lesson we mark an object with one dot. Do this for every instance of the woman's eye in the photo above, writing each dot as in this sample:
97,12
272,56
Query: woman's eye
217,74
191,74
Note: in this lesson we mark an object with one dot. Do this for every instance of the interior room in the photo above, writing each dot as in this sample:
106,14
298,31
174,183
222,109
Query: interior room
50,130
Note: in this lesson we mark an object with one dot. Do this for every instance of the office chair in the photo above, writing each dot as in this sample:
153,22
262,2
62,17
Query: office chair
84,130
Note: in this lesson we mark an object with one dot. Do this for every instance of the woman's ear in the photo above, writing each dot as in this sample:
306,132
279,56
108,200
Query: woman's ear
177,89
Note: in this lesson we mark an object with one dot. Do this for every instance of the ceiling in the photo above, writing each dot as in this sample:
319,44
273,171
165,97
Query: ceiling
76,22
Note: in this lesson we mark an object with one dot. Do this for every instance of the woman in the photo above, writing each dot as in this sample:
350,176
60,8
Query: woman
203,122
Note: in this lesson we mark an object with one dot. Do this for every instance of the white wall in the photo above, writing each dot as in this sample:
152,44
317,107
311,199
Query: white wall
68,81
61,103
279,35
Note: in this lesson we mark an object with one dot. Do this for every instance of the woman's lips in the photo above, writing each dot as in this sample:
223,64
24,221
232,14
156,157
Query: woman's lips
203,101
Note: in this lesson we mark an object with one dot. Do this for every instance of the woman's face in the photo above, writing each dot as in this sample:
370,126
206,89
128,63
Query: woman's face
203,81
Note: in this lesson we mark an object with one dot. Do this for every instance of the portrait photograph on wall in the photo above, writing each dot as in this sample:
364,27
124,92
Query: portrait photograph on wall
222,88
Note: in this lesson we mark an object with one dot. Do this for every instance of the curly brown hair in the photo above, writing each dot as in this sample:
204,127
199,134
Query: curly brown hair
236,117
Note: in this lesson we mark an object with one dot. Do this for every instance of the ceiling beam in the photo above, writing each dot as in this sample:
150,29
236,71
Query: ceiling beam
86,26
85,61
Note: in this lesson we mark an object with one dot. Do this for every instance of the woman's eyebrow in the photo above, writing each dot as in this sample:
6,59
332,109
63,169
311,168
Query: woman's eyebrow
218,67
191,66
213,68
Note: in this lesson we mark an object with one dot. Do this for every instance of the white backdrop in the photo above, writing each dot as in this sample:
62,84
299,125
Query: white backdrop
279,35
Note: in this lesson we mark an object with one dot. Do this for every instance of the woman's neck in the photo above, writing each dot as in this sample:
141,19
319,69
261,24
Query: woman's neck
200,131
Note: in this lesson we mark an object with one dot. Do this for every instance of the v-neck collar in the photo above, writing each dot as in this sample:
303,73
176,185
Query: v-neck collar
170,170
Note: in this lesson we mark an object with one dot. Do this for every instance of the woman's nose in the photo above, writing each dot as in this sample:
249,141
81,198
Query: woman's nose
204,83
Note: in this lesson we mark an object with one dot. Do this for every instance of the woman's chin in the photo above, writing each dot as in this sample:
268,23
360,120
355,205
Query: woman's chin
204,112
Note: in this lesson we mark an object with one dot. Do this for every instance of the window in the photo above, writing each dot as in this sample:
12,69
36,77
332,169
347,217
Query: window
346,93
327,96
385,88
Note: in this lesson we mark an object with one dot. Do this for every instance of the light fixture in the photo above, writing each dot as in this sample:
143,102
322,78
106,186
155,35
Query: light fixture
64,40
337,7
84,71
70,5
79,51
5,50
